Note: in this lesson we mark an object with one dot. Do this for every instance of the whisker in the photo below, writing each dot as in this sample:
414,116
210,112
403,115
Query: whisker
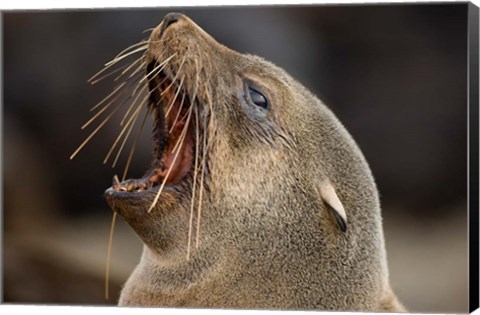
107,75
117,59
176,75
94,132
140,67
161,66
142,63
108,96
137,87
134,77
195,170
143,42
178,114
98,73
192,102
108,105
105,108
199,211
109,254
92,80
147,75
131,122
143,100
156,86
127,165
107,157
177,146
100,112
175,97
148,30
182,138
139,83
133,103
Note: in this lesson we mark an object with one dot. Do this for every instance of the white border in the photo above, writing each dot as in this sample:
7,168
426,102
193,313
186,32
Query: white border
90,4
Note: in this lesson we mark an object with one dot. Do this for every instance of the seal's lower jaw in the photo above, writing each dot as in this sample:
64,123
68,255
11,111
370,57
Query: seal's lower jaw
173,147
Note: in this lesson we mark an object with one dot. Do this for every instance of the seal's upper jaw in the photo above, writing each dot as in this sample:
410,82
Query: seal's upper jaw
156,41
177,33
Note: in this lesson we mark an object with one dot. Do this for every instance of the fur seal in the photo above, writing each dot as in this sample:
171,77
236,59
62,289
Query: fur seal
257,196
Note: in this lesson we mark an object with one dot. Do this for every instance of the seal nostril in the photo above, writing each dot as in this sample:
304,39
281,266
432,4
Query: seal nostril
169,19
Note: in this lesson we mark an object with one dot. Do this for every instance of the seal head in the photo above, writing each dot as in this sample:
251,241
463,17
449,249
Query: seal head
257,196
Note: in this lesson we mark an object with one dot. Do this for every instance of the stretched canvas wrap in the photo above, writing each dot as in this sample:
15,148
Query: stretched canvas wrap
304,157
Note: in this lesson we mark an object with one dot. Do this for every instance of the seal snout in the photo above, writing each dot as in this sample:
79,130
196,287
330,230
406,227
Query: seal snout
170,19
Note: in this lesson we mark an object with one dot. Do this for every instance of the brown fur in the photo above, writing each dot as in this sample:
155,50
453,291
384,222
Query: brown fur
267,238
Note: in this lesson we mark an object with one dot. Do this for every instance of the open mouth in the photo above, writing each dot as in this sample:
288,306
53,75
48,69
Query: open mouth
173,137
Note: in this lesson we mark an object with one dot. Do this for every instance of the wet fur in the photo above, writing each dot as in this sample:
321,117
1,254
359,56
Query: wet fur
267,239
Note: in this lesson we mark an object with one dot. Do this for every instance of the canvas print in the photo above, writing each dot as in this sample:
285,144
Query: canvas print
273,157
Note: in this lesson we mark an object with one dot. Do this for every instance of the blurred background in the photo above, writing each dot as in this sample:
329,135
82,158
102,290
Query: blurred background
395,75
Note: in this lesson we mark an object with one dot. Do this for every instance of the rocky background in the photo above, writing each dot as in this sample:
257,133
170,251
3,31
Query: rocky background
395,75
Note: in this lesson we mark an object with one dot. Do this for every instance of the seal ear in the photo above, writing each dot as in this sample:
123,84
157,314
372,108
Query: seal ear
329,196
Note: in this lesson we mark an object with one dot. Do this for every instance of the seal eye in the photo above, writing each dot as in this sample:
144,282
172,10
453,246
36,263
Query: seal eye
257,98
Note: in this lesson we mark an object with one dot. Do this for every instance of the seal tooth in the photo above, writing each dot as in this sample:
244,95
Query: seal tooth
131,186
115,182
